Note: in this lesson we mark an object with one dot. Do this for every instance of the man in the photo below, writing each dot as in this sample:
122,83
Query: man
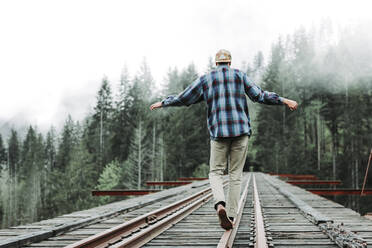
224,90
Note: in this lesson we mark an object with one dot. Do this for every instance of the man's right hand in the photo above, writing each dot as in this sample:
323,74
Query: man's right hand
292,105
155,105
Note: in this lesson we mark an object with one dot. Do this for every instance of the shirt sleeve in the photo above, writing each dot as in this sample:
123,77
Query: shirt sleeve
256,94
191,95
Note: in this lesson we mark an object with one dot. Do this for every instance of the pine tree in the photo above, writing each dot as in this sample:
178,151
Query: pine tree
3,161
110,178
137,165
258,67
99,133
13,153
145,81
32,165
12,206
82,179
66,145
211,65
269,119
3,155
50,149
49,165
122,126
187,137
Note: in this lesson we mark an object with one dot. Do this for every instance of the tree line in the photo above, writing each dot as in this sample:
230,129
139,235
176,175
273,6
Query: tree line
331,133
122,144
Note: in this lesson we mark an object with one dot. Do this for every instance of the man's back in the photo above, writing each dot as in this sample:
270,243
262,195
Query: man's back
224,90
224,93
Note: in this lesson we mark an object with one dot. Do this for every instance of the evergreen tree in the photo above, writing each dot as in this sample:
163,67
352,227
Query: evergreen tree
258,67
3,154
46,175
211,65
3,161
11,205
99,133
66,145
50,149
110,179
28,154
32,165
121,122
82,179
137,165
145,82
14,151
187,137
269,119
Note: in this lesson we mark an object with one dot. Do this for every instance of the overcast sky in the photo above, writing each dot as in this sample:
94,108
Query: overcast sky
53,54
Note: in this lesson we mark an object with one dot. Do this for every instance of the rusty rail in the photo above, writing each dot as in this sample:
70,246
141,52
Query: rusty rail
315,182
192,178
340,191
365,176
121,192
228,236
295,176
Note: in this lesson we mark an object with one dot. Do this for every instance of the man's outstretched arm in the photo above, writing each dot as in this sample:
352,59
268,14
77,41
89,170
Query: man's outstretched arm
256,94
192,94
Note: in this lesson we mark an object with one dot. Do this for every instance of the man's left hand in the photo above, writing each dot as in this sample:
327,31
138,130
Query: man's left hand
155,105
292,105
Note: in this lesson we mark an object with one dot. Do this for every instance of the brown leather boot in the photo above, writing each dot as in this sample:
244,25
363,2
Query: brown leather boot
225,222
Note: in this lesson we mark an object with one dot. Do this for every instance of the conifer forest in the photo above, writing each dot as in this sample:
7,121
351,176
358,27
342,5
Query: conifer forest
121,144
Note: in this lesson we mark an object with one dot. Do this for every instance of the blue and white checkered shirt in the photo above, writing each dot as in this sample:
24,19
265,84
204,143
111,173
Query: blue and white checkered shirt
224,90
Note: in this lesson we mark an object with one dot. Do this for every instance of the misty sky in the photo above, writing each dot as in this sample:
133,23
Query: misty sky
53,54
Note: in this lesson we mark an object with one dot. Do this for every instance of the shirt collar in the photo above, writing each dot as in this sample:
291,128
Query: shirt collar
222,66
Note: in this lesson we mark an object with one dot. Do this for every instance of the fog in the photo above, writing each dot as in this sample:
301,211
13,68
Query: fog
55,54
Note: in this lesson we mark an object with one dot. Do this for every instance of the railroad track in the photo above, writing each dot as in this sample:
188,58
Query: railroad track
271,214
92,221
142,230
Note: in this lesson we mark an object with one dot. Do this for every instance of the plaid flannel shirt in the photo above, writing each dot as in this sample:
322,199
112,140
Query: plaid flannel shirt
224,90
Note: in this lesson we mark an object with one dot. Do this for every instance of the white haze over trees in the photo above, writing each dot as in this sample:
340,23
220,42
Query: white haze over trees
54,53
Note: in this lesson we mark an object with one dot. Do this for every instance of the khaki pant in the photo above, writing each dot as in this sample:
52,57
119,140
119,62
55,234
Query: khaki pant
232,152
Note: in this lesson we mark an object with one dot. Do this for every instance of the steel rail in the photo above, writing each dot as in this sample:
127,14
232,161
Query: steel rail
261,241
135,225
228,236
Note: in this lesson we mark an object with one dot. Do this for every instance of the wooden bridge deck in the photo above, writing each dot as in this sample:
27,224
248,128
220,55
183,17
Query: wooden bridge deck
286,224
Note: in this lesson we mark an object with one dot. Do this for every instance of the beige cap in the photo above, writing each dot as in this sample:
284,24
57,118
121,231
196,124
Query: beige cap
223,56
